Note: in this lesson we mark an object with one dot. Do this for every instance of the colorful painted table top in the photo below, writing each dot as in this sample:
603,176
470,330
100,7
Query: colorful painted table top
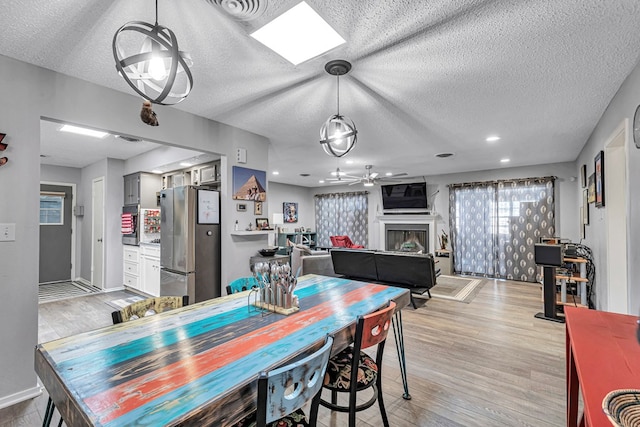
197,365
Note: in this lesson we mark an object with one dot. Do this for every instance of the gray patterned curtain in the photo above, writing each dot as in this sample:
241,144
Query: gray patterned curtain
340,214
494,226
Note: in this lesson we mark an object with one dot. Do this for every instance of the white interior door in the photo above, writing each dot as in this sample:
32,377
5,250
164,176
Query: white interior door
97,233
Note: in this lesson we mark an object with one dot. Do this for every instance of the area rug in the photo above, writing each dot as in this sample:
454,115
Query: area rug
123,302
58,291
462,289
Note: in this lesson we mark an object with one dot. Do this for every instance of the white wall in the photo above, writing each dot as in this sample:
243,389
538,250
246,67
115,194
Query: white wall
621,107
31,93
280,193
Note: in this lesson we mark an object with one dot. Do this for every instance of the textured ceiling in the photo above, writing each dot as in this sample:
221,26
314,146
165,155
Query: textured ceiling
427,77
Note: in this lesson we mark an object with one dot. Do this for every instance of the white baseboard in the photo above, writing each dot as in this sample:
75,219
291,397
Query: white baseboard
21,396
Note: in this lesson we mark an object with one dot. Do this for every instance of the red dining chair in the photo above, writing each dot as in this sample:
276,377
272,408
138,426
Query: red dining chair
343,242
349,374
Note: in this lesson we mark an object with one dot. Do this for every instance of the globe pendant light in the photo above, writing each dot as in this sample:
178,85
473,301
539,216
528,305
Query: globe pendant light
148,59
338,134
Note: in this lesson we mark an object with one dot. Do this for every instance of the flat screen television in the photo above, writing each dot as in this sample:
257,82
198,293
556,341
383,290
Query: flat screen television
410,197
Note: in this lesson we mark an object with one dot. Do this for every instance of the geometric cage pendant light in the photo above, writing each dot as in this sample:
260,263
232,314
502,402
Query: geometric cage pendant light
148,59
338,134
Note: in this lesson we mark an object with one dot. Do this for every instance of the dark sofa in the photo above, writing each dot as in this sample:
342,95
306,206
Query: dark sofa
416,272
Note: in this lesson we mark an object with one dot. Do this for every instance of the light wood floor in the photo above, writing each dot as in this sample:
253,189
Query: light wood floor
486,363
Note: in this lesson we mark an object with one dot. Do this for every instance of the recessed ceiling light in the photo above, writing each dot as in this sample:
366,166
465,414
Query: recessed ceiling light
321,181
186,164
349,162
389,173
444,155
158,171
505,160
493,138
298,34
275,173
83,131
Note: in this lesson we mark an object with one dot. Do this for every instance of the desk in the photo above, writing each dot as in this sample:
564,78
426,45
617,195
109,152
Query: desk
603,355
198,365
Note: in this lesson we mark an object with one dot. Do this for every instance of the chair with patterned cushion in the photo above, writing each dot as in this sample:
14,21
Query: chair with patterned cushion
349,374
343,242
283,392
148,307
242,284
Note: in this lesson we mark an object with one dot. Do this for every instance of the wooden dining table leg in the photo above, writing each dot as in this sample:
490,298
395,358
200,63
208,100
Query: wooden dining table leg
396,322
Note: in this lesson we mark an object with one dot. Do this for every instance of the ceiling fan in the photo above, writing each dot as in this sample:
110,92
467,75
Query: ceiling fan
368,179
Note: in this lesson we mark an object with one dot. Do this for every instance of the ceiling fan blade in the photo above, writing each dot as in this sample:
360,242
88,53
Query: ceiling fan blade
355,182
373,175
398,174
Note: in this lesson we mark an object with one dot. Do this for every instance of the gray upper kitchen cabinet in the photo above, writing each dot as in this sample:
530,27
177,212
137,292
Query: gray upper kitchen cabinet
142,189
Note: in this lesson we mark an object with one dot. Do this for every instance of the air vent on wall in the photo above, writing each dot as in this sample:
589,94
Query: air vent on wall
241,10
444,155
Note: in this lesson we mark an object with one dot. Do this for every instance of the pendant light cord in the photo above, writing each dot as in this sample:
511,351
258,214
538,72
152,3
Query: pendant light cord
156,13
338,97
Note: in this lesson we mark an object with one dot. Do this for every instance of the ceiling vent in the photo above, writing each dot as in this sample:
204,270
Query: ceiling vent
444,155
128,138
241,10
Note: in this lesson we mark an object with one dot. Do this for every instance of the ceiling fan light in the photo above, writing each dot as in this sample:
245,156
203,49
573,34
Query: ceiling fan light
157,70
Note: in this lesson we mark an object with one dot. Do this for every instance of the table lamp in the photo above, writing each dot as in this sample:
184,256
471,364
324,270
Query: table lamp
277,221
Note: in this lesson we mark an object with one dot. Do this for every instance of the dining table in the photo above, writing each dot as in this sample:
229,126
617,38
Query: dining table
198,365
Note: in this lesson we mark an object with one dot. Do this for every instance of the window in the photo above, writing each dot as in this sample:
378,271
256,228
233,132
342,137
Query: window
51,209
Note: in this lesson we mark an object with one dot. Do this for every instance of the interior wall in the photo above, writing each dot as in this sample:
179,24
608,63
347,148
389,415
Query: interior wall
280,193
37,93
622,107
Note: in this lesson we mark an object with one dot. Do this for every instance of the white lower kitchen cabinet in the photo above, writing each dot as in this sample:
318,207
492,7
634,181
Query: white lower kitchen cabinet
150,267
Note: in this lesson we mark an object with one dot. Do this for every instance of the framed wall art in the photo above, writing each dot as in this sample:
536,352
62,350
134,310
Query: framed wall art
598,163
257,208
585,207
249,184
583,176
290,212
592,188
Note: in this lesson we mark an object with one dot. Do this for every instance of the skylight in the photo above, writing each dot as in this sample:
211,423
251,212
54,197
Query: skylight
298,34
83,131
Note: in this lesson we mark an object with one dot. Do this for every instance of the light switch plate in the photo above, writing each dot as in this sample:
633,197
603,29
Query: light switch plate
7,232
241,155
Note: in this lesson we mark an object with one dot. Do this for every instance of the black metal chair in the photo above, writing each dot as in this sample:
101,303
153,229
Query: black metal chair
352,370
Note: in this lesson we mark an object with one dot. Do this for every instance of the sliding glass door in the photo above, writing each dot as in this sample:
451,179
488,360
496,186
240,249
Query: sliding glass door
494,226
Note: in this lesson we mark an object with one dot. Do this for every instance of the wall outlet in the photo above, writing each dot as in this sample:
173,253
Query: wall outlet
7,232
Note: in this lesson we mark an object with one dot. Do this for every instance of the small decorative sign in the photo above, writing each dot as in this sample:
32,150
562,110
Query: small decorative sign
290,212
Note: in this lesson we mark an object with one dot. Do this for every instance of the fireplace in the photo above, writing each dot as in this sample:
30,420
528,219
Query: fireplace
407,233
407,237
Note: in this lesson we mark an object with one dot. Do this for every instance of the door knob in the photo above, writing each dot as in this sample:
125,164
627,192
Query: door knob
100,240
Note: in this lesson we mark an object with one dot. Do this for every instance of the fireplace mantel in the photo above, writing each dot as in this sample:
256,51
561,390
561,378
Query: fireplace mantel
430,220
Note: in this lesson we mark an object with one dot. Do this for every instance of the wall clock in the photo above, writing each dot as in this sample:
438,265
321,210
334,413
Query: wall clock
636,127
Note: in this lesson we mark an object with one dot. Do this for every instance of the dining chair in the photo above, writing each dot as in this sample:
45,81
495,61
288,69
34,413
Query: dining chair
148,307
282,392
242,284
349,374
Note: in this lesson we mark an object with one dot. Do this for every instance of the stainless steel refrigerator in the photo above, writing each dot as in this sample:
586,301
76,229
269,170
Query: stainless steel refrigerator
190,243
